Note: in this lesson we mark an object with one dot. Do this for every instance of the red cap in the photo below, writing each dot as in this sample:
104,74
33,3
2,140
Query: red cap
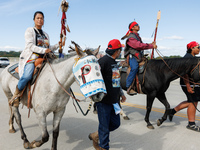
114,44
192,44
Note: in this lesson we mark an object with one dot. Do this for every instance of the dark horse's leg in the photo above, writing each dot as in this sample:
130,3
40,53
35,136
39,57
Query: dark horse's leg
150,99
162,98
17,115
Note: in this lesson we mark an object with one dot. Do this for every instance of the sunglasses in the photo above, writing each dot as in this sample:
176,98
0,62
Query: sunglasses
198,47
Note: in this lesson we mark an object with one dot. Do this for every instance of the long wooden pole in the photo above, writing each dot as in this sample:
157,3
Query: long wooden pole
158,18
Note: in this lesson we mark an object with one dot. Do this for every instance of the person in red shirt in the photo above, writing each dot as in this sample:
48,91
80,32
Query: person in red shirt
134,50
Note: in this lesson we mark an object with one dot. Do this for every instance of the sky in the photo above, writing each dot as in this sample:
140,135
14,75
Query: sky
96,22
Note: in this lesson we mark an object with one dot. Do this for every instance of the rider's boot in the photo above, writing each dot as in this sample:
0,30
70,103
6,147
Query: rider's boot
130,91
95,138
14,101
103,148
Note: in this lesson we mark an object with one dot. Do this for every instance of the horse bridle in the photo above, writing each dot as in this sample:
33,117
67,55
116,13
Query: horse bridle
177,73
83,69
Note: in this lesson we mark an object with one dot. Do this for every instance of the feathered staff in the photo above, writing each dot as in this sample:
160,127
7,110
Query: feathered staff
64,7
158,18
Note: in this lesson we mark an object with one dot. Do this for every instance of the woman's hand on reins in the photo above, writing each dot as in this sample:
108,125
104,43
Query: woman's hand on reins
47,50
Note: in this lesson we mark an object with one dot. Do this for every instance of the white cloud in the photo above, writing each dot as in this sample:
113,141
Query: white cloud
164,48
10,48
174,37
21,6
171,51
147,40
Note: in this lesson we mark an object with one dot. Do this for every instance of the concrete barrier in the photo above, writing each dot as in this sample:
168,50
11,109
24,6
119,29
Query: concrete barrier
13,59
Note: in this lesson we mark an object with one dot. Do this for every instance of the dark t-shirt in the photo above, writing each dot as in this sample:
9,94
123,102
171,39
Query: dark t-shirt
41,39
187,55
111,76
196,95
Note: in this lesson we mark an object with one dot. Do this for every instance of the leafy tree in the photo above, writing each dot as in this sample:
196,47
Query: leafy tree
9,54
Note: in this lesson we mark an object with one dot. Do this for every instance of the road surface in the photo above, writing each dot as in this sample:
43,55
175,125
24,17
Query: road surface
132,134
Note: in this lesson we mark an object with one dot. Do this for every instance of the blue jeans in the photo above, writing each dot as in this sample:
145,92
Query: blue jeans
108,121
134,69
27,75
61,55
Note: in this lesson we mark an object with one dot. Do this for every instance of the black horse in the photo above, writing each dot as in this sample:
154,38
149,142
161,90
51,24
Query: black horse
156,80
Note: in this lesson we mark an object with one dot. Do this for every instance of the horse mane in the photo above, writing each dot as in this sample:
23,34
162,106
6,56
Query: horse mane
71,54
172,62
56,61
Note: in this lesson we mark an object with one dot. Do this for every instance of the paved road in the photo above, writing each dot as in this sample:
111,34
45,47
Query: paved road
132,134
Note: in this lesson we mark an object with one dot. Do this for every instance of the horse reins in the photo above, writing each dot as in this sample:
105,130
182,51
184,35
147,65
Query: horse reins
89,107
181,76
72,96
177,73
60,83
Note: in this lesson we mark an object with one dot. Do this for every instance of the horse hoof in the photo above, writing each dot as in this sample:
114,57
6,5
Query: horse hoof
27,145
159,122
35,144
126,118
150,126
12,131
95,112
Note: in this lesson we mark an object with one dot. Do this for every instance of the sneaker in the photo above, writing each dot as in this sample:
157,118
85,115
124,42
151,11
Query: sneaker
193,127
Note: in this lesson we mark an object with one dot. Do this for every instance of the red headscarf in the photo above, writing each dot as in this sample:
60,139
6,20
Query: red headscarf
192,44
131,26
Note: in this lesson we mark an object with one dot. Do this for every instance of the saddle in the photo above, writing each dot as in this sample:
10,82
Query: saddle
136,85
13,70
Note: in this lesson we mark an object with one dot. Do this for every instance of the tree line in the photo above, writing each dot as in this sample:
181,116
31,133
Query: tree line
9,54
17,54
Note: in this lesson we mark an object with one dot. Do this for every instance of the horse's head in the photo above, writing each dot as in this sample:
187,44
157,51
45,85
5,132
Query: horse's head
87,72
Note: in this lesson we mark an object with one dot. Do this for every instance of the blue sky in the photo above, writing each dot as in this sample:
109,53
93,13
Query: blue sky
96,22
